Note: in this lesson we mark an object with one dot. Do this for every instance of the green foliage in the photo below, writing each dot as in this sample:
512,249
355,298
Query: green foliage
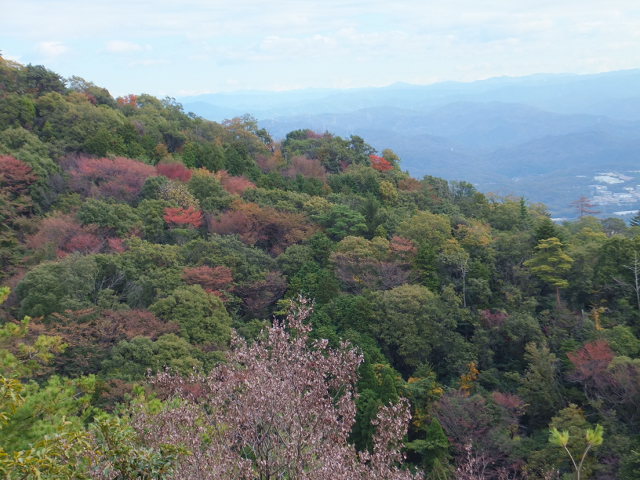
341,221
122,454
540,385
201,315
593,438
58,286
550,263
209,192
423,277
119,218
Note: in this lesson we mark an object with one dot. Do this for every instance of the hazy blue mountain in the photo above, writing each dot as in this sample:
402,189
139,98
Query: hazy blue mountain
565,93
546,137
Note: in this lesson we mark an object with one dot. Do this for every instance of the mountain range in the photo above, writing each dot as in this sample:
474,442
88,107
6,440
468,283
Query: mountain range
548,138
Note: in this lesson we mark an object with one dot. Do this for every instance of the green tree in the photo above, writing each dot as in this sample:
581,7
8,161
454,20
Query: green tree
540,386
593,437
551,264
201,315
58,286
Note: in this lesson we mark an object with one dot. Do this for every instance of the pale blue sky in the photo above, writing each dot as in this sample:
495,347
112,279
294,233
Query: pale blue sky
186,47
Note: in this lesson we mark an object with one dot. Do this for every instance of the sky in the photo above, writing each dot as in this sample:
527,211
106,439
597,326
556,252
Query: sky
189,47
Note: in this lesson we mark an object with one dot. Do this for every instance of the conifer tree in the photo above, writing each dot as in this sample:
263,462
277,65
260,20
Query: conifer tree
550,264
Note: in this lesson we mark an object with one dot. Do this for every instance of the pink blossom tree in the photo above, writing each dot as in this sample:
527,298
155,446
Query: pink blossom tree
281,407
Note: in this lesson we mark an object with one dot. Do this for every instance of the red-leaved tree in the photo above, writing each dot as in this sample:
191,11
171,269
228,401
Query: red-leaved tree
264,227
380,163
590,363
120,178
63,235
281,407
15,175
174,171
212,279
232,184
183,216
615,381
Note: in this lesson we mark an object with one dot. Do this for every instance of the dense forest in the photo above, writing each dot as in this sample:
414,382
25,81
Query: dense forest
189,299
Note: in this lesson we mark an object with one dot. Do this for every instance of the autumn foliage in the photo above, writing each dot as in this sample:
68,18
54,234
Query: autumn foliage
130,100
591,361
281,407
177,216
119,178
380,163
174,171
266,227
212,279
234,184
91,335
15,175
63,235
306,167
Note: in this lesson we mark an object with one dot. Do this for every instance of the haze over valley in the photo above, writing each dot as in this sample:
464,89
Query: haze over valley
549,138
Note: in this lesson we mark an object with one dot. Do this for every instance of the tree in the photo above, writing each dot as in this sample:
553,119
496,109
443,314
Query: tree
551,264
201,315
634,268
380,163
58,286
118,178
213,280
540,384
174,171
15,175
183,216
60,235
264,227
584,206
282,407
594,438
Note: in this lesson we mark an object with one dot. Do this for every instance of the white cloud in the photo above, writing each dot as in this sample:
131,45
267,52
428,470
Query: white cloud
52,48
121,46
148,62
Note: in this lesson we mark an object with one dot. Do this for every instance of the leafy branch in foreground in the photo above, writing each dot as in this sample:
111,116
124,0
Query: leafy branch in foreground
593,436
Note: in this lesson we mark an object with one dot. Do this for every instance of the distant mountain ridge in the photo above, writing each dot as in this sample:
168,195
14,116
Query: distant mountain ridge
545,137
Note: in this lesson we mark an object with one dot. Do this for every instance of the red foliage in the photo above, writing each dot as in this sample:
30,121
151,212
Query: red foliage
409,185
83,242
213,280
116,245
380,163
189,216
268,163
131,100
613,380
492,319
403,248
64,235
120,178
591,361
265,227
512,403
15,175
174,171
234,185
307,167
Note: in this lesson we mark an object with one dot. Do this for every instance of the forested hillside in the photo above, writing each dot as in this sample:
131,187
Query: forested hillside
177,294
